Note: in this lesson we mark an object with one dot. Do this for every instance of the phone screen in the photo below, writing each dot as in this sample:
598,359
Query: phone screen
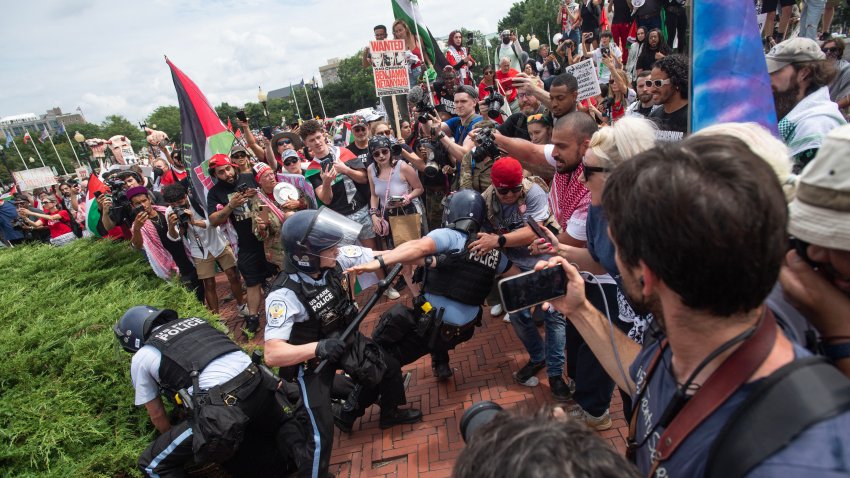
536,228
531,288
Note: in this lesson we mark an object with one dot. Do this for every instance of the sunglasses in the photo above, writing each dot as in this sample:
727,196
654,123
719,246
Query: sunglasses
656,83
611,82
385,133
381,152
238,155
514,190
830,50
358,128
535,117
488,72
589,170
284,142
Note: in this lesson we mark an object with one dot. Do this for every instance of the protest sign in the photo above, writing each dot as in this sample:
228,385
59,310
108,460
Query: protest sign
300,182
33,178
82,173
389,65
588,81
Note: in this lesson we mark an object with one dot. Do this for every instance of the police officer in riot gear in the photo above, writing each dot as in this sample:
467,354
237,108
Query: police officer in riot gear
309,306
455,282
173,356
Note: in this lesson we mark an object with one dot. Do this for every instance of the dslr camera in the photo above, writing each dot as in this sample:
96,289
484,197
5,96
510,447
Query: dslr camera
494,102
183,216
487,147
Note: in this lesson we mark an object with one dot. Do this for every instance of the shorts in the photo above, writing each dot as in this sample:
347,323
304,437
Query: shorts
206,267
254,267
768,6
363,217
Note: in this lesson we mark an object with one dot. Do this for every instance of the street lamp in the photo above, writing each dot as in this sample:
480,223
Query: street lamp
81,140
534,43
264,99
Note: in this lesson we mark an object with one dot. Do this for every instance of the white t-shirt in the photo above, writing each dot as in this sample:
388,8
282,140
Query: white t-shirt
211,238
144,371
602,68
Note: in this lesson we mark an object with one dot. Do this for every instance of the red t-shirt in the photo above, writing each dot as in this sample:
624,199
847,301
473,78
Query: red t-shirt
506,79
172,176
60,227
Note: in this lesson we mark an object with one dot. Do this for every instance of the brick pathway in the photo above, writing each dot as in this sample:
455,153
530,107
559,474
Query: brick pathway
482,371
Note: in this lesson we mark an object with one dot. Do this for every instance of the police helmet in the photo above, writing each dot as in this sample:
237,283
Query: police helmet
133,328
307,233
379,142
465,211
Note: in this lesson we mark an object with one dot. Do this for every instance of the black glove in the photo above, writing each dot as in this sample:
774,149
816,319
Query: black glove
330,349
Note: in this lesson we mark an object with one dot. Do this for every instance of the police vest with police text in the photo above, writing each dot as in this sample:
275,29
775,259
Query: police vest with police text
319,300
183,343
463,276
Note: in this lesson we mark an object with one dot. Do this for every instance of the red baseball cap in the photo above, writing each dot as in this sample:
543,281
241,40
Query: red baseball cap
506,172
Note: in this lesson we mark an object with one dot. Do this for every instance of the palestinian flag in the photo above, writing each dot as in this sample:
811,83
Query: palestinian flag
203,133
93,213
408,10
315,167
8,195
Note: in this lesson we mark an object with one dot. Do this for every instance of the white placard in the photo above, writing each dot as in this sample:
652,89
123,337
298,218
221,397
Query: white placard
33,178
389,66
588,80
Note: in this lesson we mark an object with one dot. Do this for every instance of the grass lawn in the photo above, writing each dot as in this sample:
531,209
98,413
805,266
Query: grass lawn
66,401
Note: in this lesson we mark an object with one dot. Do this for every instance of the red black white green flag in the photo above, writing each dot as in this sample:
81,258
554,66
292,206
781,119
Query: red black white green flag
202,132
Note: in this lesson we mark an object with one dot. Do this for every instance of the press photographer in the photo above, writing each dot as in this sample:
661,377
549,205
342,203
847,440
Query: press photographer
476,164
206,244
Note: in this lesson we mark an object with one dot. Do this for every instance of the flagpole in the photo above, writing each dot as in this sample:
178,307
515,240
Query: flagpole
35,147
294,97
307,94
19,153
57,154
415,9
73,149
319,92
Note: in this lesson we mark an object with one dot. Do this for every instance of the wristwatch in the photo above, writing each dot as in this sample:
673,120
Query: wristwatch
441,135
502,240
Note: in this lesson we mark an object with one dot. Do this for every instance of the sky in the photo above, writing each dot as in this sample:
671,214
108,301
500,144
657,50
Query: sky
106,57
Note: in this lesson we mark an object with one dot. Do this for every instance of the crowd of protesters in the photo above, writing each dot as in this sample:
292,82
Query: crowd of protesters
682,241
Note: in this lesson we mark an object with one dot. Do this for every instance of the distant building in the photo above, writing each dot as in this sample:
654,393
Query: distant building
284,92
16,124
330,72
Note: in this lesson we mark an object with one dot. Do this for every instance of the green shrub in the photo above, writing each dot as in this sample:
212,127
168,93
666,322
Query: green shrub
66,400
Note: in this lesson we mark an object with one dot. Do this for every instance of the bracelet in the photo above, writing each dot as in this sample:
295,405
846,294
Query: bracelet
441,135
373,210
381,262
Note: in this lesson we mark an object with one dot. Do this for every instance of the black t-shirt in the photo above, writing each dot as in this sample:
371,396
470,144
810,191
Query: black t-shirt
241,217
175,248
644,111
590,14
622,12
516,126
445,97
347,194
671,126
646,59
364,159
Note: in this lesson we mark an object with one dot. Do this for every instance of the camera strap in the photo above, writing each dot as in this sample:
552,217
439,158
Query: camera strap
722,384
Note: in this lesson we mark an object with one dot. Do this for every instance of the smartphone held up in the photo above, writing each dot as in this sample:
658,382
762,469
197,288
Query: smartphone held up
533,287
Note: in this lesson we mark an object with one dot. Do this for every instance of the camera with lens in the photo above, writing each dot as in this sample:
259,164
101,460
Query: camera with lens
395,149
18,223
480,413
605,51
183,216
487,147
120,202
425,110
494,102
436,159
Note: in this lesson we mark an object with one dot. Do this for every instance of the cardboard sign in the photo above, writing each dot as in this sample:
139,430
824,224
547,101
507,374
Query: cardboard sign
588,80
389,65
301,183
33,178
82,173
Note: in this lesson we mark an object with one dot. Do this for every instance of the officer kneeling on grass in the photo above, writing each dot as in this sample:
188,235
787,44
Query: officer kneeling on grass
455,282
310,304
198,367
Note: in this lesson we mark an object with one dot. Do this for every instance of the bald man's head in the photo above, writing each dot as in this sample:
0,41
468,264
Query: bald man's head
571,136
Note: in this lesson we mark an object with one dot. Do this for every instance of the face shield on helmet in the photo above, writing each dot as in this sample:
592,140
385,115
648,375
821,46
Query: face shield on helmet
307,233
464,211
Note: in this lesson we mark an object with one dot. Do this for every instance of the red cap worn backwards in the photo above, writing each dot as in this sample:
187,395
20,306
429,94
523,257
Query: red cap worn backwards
506,172
219,160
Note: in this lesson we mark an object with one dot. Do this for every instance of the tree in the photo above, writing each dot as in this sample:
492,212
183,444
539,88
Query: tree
532,16
167,119
118,125
226,111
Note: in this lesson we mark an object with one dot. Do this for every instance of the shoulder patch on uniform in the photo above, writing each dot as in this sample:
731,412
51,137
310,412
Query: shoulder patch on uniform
351,251
276,313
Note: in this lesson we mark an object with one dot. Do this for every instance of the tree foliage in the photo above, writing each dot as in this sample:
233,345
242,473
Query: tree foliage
532,16
167,119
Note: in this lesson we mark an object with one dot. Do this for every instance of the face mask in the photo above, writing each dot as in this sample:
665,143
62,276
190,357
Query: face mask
506,40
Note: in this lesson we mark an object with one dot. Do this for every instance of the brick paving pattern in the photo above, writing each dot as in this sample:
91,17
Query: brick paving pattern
483,369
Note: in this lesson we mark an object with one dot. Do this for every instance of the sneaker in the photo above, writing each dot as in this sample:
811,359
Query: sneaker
496,310
391,293
560,390
243,310
442,371
398,416
526,375
603,422
507,318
